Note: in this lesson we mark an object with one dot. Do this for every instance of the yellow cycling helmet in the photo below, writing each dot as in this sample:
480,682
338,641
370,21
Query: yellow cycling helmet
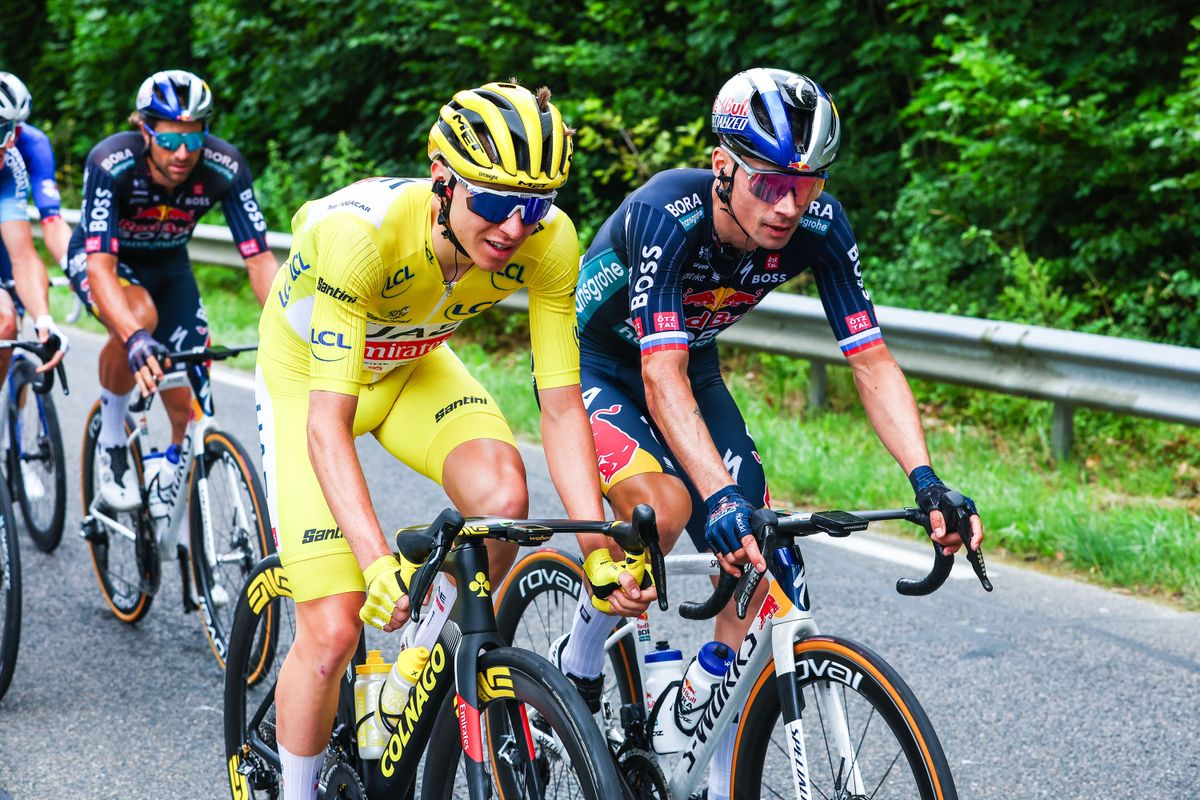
501,133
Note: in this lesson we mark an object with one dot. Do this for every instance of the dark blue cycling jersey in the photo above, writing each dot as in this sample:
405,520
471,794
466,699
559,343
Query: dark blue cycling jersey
125,211
655,277
34,147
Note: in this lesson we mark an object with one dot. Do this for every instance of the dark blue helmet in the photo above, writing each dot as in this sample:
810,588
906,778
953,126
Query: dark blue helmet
175,94
780,117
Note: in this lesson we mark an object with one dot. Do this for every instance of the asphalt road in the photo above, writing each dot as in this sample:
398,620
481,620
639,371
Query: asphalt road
1046,688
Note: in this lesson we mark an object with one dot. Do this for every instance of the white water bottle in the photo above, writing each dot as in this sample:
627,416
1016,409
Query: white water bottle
436,610
369,679
399,684
702,675
662,673
159,473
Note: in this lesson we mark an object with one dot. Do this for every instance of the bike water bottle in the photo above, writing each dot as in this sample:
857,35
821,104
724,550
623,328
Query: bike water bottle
152,464
663,671
165,488
369,679
399,684
702,675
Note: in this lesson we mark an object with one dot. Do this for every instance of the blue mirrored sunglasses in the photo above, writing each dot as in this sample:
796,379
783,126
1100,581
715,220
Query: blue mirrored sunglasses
496,206
171,141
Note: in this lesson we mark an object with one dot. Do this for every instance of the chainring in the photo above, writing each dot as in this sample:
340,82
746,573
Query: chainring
341,782
643,777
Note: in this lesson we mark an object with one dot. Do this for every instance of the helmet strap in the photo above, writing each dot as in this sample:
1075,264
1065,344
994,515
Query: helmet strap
446,194
724,193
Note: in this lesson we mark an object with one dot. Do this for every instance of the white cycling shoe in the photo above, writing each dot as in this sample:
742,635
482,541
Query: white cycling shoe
119,488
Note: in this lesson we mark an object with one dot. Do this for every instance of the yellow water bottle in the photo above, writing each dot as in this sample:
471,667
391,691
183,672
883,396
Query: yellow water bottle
369,679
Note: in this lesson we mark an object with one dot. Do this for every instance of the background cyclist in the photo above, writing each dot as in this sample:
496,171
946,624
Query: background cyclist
144,192
34,147
16,235
353,339
683,258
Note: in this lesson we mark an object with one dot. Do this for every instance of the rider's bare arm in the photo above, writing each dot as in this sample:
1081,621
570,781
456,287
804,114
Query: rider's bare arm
338,470
56,233
674,409
29,274
571,455
261,268
890,406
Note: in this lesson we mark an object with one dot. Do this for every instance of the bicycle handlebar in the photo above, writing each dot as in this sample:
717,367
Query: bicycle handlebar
768,527
219,353
429,545
43,382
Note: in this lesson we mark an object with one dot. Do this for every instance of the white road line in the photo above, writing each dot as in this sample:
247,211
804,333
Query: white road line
918,563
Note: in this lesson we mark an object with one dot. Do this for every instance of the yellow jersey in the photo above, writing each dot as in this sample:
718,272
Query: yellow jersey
363,293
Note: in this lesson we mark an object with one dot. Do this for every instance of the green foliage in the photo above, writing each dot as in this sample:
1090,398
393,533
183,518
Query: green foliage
1032,161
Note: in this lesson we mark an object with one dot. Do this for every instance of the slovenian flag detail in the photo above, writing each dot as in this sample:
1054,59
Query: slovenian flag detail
859,341
667,340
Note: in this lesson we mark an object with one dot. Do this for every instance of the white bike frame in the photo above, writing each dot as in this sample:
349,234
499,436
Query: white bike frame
784,618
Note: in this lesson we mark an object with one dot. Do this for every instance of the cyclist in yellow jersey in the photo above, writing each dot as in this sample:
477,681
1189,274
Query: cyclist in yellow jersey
353,340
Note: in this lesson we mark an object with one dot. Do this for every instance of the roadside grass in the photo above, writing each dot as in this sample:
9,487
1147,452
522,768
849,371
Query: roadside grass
1124,512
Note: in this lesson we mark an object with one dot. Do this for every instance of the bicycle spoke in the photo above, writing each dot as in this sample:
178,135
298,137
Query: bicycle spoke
886,772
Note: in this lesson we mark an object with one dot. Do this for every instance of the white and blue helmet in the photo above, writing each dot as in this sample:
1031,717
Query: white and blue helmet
15,101
175,94
780,117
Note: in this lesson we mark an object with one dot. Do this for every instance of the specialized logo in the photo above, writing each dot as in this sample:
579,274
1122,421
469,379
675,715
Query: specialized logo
413,709
459,403
320,535
335,292
730,114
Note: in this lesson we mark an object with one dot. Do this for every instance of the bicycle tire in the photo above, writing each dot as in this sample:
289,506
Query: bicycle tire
251,754
241,538
125,588
536,603
10,591
858,677
45,449
527,702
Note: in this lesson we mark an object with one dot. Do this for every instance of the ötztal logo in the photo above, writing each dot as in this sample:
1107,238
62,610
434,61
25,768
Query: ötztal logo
666,321
857,323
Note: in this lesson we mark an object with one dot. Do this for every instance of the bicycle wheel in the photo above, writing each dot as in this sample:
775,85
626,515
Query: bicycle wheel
535,605
263,613
236,538
127,567
36,468
10,591
849,695
539,739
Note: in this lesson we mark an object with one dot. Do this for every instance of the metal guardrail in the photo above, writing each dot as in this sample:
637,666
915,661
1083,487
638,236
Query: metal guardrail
1066,368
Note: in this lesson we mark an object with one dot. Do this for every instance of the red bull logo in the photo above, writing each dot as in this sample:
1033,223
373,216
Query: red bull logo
163,213
615,448
716,299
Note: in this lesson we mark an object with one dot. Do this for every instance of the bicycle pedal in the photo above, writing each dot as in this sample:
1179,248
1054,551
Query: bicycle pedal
93,531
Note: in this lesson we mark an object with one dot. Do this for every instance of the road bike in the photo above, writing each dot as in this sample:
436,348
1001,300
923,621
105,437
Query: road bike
821,716
33,458
228,530
10,551
523,728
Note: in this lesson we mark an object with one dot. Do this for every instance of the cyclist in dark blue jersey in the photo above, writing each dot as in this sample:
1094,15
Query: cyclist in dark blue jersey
16,235
144,192
682,259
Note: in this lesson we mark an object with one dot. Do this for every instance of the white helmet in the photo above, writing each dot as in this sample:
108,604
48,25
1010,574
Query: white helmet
14,99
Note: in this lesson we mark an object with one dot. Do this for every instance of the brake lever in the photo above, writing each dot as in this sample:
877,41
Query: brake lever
763,520
974,557
646,528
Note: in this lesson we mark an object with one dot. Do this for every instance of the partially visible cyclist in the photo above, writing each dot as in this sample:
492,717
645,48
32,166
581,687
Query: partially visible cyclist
683,258
354,340
34,147
144,192
16,235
